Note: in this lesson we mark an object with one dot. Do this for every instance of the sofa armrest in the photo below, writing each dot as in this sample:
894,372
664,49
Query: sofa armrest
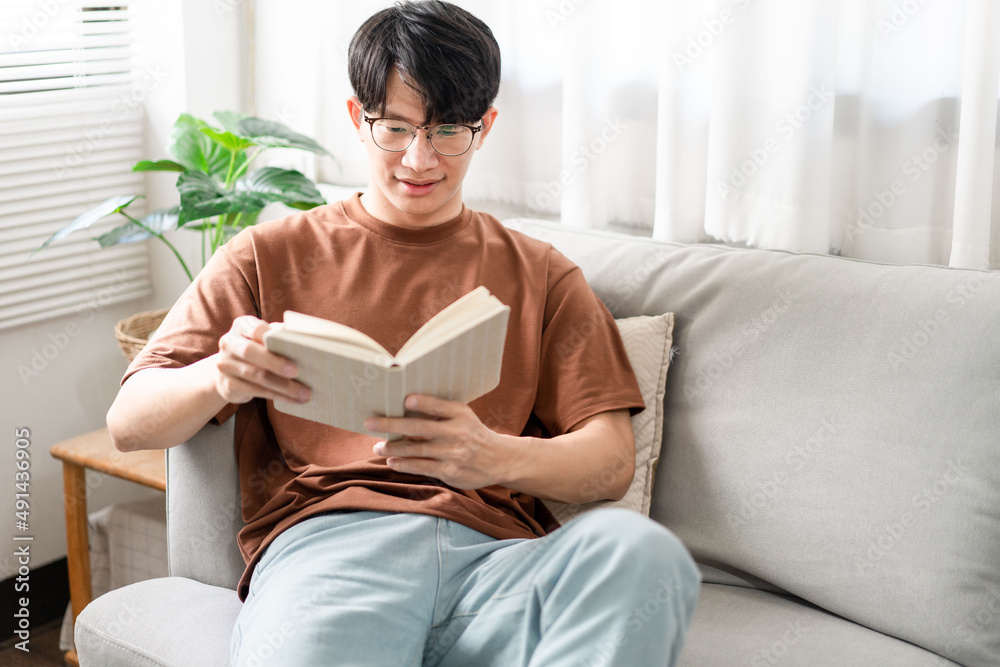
203,508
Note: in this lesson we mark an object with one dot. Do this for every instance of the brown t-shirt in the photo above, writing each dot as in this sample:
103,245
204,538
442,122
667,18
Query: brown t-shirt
563,359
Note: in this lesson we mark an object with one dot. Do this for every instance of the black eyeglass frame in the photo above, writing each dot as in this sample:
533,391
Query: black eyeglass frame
413,135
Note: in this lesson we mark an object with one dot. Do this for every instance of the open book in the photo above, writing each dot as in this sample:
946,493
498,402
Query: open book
455,355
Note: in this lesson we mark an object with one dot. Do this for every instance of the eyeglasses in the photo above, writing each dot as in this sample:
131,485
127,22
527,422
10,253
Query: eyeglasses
448,139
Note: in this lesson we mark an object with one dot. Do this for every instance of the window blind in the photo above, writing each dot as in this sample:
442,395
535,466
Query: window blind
70,131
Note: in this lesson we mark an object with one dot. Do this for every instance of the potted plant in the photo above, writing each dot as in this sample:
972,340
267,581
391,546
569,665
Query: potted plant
219,194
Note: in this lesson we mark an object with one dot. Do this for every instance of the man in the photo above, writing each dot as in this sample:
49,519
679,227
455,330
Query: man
426,550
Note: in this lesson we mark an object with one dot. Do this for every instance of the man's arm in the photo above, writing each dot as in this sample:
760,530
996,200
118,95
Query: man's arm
595,460
158,408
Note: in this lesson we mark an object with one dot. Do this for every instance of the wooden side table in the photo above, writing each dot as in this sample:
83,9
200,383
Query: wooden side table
96,451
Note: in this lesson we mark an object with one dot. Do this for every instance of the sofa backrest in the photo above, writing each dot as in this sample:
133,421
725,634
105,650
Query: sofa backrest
832,430
832,427
203,508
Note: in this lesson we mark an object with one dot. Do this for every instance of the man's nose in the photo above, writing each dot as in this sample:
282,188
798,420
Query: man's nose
420,156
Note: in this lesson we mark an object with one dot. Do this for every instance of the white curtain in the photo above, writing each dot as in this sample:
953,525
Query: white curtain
866,128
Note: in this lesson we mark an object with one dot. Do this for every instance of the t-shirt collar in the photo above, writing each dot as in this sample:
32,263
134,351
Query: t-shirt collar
356,211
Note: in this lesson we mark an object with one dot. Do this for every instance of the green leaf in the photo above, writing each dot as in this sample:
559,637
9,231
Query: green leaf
228,139
195,189
203,196
285,185
196,151
248,219
234,202
105,208
230,121
273,134
159,165
160,220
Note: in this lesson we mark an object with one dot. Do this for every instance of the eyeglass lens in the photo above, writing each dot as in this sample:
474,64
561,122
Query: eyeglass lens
396,135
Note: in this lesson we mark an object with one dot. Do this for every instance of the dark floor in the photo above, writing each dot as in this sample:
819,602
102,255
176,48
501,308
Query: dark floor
44,645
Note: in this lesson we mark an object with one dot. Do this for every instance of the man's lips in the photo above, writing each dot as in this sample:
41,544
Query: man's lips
417,187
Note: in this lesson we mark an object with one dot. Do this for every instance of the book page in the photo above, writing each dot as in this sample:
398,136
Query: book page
464,314
346,390
279,340
317,326
464,369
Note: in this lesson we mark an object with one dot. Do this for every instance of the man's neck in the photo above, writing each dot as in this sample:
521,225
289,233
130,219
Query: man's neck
380,208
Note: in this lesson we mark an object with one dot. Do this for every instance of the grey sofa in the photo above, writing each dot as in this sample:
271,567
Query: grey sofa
831,457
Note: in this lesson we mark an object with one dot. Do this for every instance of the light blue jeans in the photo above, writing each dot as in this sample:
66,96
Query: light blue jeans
379,589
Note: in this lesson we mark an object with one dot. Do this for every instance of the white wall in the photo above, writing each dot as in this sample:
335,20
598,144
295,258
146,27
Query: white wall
198,50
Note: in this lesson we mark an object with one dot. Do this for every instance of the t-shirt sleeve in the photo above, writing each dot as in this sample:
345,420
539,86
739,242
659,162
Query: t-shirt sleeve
583,367
224,289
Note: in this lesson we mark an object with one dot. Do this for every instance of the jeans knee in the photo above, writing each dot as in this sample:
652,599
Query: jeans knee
651,550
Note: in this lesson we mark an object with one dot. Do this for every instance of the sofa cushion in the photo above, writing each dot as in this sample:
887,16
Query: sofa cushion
743,626
170,621
647,342
832,426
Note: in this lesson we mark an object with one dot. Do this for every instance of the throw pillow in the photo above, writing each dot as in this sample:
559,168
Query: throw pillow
647,342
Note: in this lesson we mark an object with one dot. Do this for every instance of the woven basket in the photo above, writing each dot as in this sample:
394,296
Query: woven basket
133,332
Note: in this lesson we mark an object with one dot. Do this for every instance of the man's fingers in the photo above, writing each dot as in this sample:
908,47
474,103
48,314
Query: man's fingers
414,466
257,354
264,383
425,428
433,406
244,388
250,327
410,449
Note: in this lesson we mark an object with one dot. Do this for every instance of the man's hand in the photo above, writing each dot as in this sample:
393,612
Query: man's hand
594,460
447,441
246,369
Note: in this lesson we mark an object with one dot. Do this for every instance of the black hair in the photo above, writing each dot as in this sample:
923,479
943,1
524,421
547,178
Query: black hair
446,54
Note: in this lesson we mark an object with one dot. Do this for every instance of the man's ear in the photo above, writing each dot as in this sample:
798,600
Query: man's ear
356,112
488,119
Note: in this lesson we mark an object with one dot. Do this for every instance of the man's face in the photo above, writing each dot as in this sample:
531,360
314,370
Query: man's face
417,187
